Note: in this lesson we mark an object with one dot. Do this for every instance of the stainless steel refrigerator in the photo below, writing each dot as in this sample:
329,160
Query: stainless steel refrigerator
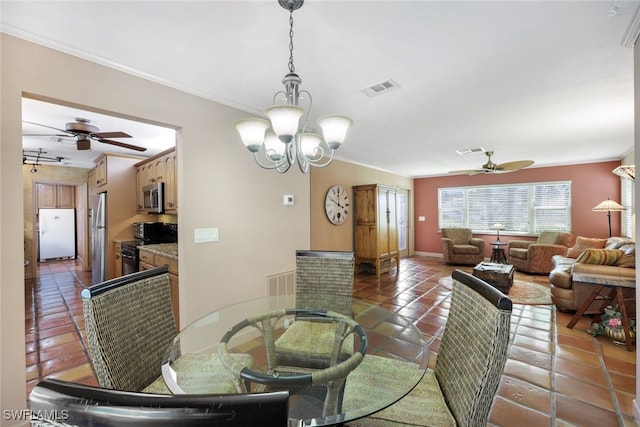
99,237
56,233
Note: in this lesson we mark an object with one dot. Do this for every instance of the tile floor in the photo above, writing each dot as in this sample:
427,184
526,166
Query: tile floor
554,376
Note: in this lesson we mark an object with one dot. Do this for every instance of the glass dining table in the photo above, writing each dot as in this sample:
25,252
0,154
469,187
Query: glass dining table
373,357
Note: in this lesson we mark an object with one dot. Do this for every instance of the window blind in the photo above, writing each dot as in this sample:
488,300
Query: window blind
527,208
626,199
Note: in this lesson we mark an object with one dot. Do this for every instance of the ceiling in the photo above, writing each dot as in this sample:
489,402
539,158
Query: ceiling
542,80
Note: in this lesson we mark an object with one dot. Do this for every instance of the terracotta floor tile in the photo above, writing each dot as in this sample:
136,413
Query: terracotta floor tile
58,340
589,393
577,355
586,343
625,401
531,357
582,414
508,413
624,383
524,393
581,371
532,374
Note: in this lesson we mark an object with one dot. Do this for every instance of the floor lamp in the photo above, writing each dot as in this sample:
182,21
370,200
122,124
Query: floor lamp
609,205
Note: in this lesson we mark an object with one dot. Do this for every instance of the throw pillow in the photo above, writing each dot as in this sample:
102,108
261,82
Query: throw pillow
628,258
583,243
599,256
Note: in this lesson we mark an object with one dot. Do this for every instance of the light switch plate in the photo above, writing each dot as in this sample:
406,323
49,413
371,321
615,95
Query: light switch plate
287,199
203,235
421,219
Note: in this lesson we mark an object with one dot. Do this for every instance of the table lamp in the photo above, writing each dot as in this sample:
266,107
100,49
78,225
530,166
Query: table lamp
609,205
497,227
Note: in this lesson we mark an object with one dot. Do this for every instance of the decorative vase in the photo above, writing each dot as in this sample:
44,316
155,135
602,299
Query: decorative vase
617,335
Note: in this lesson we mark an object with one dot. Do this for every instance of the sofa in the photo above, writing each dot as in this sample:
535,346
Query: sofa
611,259
535,257
460,247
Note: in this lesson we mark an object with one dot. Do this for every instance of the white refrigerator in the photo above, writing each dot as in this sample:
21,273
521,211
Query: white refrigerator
57,233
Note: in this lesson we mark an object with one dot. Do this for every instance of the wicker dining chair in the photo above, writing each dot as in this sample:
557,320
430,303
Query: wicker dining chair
324,280
129,324
470,361
60,403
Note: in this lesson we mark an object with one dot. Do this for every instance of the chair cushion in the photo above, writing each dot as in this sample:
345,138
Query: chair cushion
423,406
310,344
202,374
519,253
599,256
466,249
583,243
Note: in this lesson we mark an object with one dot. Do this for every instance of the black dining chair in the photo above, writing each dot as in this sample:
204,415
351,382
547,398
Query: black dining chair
59,403
470,361
129,324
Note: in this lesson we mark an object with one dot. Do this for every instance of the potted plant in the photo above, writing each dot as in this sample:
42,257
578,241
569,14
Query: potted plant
611,325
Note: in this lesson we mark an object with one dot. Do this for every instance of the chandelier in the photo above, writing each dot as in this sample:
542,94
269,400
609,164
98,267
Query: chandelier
288,141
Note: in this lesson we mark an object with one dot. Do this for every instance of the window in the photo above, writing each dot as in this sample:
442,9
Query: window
626,199
522,208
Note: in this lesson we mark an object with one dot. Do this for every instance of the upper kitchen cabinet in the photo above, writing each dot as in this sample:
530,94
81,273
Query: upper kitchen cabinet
54,196
159,168
101,171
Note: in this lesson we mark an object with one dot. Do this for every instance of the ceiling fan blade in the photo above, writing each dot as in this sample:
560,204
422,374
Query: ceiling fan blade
111,135
466,172
514,166
59,135
121,144
50,127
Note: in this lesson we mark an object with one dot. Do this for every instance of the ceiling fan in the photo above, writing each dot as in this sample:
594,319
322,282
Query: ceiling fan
85,132
491,167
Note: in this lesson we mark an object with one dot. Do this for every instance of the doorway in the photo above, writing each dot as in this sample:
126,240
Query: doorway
403,223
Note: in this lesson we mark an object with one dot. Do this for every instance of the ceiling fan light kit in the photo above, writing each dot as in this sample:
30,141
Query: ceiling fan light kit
491,167
288,142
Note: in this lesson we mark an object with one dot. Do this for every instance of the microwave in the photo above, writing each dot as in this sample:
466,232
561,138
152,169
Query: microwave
152,197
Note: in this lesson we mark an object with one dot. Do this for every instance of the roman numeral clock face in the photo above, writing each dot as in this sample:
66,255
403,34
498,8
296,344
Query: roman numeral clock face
336,205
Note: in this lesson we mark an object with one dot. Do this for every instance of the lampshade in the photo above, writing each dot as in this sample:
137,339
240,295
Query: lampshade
285,120
252,132
609,205
626,171
274,147
309,145
334,129
497,227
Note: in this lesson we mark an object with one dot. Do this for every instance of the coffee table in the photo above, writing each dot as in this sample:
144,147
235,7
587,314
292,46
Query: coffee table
500,276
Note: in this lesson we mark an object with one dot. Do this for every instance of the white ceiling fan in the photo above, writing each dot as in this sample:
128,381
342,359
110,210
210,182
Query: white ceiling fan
491,167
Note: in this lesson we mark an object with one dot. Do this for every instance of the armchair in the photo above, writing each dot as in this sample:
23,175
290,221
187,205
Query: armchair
460,247
535,257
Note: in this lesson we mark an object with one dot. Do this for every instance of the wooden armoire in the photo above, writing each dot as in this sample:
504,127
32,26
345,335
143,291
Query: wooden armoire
375,227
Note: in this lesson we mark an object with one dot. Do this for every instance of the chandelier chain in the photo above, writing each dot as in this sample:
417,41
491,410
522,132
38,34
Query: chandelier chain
292,67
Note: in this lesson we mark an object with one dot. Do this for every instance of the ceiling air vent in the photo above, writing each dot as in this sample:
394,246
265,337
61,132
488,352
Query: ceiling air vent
470,151
380,88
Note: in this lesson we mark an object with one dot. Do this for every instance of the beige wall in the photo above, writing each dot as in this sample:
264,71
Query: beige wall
636,158
326,236
219,186
53,175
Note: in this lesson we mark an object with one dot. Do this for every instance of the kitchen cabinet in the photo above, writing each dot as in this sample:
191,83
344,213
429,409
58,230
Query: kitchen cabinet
149,259
101,171
159,168
55,196
376,227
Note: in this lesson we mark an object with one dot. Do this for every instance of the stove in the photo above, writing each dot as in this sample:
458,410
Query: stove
130,255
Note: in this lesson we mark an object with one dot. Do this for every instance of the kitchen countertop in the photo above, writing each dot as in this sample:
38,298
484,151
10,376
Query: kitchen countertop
169,250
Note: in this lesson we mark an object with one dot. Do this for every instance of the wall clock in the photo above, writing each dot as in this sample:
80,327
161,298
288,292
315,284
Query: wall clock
337,205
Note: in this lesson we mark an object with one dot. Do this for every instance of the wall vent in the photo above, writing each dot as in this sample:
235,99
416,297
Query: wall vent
470,151
281,284
380,88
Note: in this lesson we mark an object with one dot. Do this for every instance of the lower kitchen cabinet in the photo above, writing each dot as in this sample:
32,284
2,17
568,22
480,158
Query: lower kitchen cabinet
152,259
